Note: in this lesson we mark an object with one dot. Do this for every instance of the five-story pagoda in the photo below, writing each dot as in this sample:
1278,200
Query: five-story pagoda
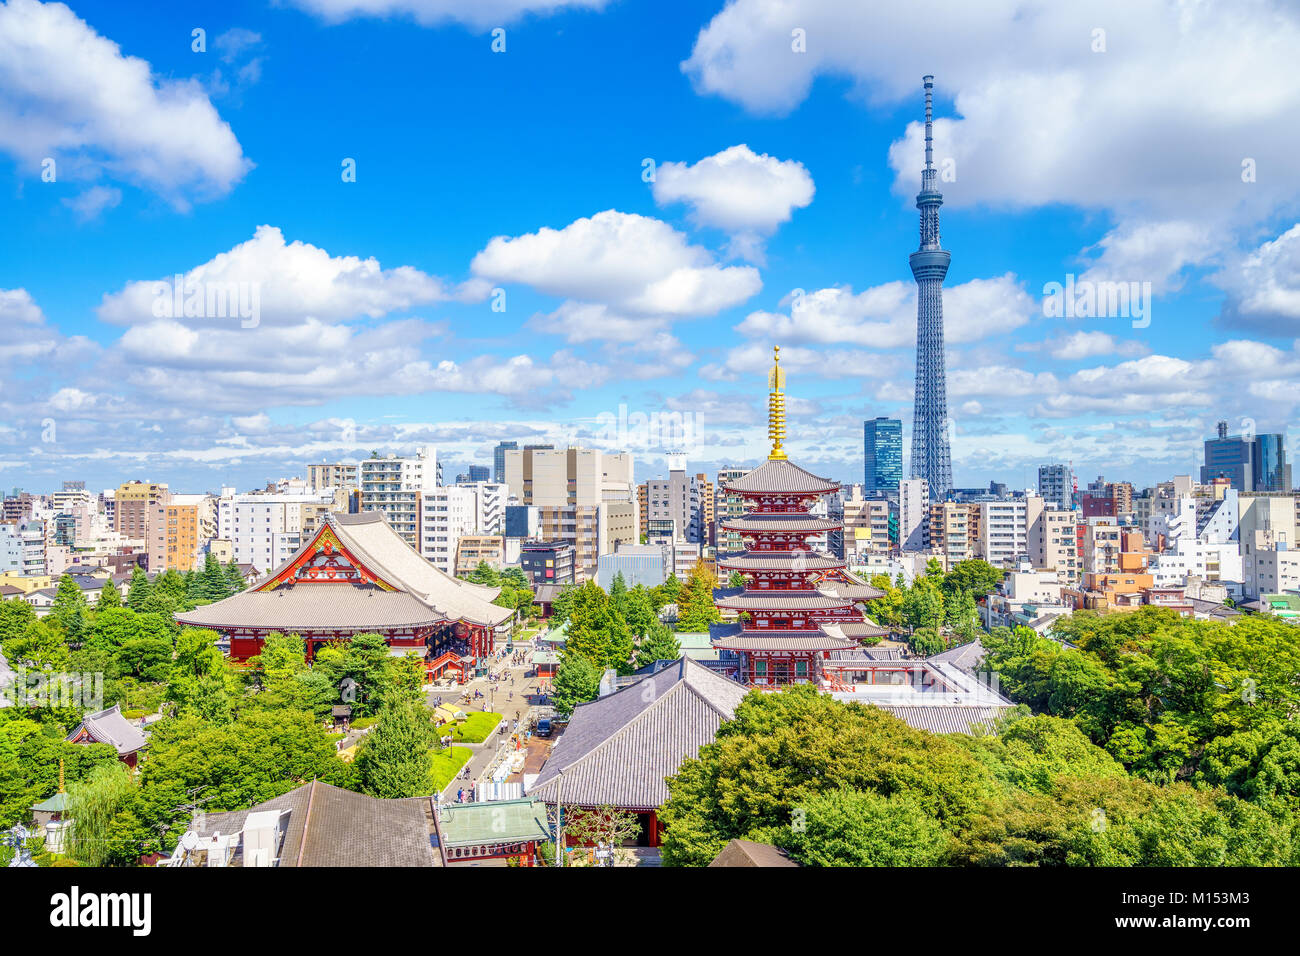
791,590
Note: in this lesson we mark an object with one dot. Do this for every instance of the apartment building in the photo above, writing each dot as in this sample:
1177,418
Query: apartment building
266,528
344,475
727,506
474,549
1052,538
870,524
134,503
1002,532
582,495
953,530
394,487
179,531
446,515
913,513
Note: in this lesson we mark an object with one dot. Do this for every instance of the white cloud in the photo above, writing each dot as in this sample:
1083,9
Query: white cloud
1155,252
1082,345
291,281
70,94
1263,286
90,204
744,194
619,272
884,316
475,13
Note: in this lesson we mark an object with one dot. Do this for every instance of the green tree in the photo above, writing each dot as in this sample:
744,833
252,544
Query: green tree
396,759
93,807
659,645
639,612
137,591
596,632
577,680
975,576
696,610
109,596
69,610
864,828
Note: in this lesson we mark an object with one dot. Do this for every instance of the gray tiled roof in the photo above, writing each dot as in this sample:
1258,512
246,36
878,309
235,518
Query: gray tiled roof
946,718
617,750
426,595
781,600
860,629
768,640
966,656
749,853
779,476
110,727
767,561
329,826
779,522
316,606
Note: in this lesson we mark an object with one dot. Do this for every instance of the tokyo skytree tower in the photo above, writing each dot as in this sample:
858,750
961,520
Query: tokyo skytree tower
931,457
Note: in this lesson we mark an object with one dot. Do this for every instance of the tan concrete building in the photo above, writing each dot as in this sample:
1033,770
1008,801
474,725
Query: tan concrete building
134,502
1052,539
953,530
582,495
474,548
179,530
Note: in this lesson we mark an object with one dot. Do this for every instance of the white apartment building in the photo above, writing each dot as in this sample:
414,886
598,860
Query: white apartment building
913,513
265,530
1002,537
446,514
1214,563
491,499
394,486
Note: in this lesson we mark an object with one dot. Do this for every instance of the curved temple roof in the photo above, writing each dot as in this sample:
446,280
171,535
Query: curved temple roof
781,477
422,596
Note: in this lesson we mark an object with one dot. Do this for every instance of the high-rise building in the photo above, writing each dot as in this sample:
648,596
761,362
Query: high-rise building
727,506
679,498
582,495
882,454
179,530
393,486
135,502
1272,471
1056,485
913,513
1249,462
931,456
499,460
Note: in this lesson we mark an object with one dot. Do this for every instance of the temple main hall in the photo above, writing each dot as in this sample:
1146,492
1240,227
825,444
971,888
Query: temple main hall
357,576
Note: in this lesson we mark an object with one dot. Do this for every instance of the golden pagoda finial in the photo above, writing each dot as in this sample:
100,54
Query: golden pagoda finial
60,775
776,406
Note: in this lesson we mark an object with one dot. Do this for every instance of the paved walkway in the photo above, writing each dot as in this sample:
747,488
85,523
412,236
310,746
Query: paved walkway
497,698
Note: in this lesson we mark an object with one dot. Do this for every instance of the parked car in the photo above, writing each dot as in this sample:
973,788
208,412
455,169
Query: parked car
544,726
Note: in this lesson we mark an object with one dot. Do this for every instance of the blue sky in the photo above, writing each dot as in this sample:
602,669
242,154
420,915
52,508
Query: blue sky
785,139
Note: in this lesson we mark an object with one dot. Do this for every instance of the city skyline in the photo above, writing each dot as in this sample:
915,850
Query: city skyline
645,271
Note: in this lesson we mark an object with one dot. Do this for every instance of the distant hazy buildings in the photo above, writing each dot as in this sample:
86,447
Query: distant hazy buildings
1249,462
1056,485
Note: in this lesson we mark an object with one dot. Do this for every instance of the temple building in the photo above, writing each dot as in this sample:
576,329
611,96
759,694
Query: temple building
799,604
358,576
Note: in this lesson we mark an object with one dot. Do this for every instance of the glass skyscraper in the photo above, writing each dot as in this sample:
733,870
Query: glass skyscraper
882,453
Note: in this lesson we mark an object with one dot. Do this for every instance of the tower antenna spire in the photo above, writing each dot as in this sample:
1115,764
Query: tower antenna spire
776,406
928,80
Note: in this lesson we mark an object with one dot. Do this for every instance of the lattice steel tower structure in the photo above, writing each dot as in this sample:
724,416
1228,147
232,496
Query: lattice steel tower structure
931,456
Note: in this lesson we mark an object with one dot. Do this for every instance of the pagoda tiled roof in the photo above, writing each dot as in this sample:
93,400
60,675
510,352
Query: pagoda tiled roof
791,640
805,600
779,561
780,522
779,477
